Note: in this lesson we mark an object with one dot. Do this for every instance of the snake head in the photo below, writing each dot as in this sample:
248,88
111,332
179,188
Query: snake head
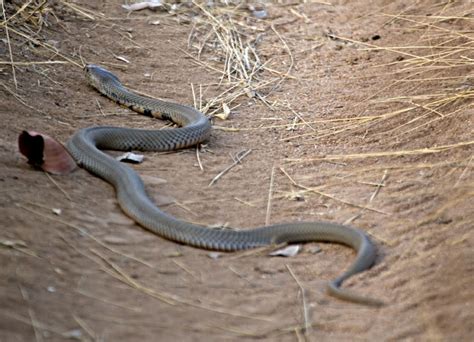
100,78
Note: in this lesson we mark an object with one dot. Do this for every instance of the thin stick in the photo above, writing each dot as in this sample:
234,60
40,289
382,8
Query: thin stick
85,327
270,192
239,158
36,324
464,172
199,158
307,325
34,321
32,63
16,13
194,96
46,46
79,10
319,192
379,185
58,186
106,301
427,150
187,270
100,107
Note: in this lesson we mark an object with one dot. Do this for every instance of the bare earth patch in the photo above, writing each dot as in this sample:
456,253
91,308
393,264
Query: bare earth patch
351,112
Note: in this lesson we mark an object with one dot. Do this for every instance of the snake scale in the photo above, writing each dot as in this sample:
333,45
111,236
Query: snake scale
85,147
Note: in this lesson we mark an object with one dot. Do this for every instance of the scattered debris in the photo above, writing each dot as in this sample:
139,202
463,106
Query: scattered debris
258,11
288,251
130,157
153,4
225,112
13,243
74,334
123,59
214,255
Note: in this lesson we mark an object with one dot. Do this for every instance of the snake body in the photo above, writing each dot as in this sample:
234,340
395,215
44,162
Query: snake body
85,147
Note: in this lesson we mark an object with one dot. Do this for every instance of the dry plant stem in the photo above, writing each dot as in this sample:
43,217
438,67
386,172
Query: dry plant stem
32,63
317,191
78,9
428,150
106,301
465,171
58,186
85,327
307,325
20,10
34,321
379,186
187,270
372,197
34,325
199,159
46,46
269,200
240,156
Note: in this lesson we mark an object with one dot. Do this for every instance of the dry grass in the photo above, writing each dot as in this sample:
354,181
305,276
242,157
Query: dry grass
25,23
434,72
224,39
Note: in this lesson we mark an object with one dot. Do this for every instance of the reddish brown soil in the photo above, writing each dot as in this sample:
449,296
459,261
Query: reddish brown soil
70,275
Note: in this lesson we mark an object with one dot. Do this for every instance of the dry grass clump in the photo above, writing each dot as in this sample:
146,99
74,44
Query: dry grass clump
225,39
433,85
23,24
437,69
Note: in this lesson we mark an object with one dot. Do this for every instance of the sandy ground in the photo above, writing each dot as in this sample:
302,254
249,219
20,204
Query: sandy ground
404,177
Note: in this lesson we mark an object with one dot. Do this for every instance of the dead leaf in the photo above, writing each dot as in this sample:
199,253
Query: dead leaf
46,153
225,114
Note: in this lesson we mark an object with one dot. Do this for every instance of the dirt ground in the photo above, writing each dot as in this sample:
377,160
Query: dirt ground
346,133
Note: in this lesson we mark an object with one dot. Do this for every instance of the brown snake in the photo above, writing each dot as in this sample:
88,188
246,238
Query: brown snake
85,147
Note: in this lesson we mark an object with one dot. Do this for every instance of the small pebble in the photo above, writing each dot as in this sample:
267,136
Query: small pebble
214,255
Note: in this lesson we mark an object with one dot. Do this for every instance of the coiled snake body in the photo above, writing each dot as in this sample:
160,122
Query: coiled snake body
85,147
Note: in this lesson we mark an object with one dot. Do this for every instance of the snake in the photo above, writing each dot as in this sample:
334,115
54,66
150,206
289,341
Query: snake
86,146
